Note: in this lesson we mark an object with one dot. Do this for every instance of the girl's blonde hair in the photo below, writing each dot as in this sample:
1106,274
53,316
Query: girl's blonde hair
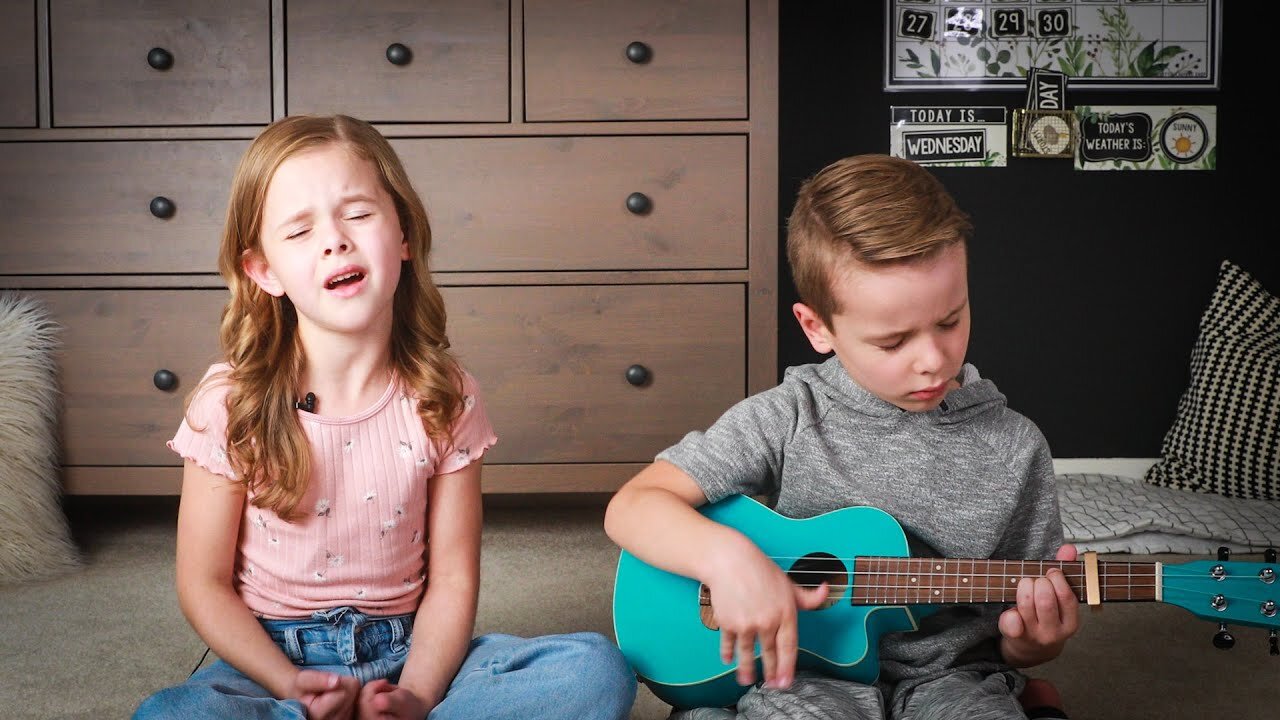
266,445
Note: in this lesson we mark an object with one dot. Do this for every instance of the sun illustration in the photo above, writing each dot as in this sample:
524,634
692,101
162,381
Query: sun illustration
1183,145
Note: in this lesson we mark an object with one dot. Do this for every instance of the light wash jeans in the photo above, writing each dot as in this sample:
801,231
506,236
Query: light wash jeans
580,675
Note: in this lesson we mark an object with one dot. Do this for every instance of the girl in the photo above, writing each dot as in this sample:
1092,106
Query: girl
329,547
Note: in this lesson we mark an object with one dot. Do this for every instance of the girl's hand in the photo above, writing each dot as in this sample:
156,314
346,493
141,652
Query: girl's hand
326,696
1046,615
382,700
754,599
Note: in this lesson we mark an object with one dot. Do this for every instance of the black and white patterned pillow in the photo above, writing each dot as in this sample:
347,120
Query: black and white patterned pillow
1226,436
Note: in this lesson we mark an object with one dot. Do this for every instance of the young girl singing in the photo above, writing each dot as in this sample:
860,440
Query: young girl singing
329,526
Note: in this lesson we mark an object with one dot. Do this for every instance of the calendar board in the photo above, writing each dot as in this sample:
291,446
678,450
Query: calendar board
991,44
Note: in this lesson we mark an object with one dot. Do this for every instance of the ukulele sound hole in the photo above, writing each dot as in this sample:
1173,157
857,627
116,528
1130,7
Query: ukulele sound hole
816,568
810,570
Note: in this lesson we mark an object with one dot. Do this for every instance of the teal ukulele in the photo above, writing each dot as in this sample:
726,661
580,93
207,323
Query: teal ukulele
666,629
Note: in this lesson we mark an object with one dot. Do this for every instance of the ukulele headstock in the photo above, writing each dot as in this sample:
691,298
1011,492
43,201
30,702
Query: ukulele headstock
1228,592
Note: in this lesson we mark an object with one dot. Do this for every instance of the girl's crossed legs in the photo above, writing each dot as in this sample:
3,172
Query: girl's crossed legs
579,675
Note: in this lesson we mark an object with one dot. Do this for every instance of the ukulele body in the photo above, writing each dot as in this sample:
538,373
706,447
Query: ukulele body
662,628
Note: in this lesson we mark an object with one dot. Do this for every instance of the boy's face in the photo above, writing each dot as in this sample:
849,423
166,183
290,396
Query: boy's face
902,331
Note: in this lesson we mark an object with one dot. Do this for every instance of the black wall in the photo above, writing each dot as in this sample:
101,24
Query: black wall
1086,287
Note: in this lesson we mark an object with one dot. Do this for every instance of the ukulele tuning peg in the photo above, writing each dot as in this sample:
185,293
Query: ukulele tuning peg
1275,647
1269,555
1224,553
1223,639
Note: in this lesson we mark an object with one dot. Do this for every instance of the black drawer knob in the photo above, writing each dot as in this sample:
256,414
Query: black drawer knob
398,54
164,380
637,375
160,59
162,207
639,203
639,53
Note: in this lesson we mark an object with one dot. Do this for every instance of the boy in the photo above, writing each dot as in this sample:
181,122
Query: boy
895,420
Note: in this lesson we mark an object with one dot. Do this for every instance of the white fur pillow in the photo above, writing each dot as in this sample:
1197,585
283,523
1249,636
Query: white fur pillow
35,541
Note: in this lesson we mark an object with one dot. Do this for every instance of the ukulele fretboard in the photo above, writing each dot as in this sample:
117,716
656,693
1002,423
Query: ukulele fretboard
926,581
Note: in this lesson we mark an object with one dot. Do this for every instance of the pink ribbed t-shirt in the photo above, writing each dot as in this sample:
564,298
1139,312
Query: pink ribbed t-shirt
361,539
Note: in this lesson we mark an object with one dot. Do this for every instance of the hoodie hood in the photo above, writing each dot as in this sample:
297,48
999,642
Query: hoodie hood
974,396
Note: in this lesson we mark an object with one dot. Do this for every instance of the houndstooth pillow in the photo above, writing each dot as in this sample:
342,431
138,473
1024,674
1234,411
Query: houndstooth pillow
1226,436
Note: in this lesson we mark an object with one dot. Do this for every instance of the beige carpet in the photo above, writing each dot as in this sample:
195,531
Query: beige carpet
92,644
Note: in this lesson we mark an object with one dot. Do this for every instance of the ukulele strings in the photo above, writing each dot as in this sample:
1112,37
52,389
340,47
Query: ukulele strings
1146,580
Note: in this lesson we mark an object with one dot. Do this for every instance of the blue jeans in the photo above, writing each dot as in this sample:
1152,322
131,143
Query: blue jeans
579,675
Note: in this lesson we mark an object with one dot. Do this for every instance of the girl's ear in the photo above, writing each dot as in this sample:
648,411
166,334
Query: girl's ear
255,266
814,328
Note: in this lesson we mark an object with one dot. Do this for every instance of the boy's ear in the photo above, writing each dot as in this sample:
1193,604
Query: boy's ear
255,266
814,328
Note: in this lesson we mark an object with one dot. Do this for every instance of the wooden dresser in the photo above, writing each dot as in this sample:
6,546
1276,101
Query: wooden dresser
601,178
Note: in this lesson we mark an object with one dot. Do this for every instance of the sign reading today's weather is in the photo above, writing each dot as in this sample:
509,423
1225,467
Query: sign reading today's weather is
1147,138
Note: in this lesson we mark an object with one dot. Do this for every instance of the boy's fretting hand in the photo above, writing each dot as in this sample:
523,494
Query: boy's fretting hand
1047,613
753,598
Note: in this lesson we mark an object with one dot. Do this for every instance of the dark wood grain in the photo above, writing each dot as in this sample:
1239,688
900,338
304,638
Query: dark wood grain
336,59
221,73
18,63
576,66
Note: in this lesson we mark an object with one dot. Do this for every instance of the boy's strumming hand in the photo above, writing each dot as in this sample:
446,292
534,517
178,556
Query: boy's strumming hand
326,696
1047,613
754,599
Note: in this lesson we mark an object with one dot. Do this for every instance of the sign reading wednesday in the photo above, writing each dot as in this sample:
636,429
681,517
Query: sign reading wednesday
950,136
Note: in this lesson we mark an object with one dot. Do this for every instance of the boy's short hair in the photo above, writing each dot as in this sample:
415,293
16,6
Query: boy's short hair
870,209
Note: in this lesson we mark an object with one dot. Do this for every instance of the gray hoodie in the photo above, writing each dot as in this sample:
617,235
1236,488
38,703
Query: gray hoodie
970,479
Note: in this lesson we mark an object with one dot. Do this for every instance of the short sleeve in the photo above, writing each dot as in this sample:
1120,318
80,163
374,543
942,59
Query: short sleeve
741,453
202,436
472,432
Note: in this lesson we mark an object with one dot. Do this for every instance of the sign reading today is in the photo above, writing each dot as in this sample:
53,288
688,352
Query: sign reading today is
950,136
1147,138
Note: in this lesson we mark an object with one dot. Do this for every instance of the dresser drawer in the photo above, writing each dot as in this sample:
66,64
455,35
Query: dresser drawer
452,66
18,63
552,363
180,62
561,203
86,207
113,344
627,60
